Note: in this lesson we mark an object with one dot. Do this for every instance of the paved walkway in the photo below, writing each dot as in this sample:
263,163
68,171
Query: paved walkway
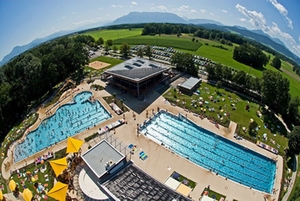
161,160
294,175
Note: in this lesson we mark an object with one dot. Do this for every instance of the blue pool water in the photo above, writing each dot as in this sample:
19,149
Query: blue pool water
211,151
68,120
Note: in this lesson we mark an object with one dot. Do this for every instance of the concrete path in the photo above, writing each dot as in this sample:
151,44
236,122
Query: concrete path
294,175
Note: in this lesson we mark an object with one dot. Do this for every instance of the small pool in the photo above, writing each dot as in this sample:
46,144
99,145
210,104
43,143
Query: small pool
211,151
74,117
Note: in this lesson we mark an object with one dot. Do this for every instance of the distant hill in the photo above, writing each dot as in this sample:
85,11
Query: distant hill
20,49
203,21
147,17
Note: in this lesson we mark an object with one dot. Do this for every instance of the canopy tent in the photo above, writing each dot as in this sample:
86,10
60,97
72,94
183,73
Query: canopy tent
27,194
59,191
73,145
59,165
12,185
1,195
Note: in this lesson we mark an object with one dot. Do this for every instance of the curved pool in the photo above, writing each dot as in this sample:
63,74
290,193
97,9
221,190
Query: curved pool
74,117
211,151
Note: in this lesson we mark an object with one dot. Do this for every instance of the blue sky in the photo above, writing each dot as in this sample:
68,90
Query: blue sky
22,21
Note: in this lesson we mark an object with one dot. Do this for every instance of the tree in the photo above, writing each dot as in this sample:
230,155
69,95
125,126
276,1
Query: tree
148,51
125,50
294,140
140,52
252,128
184,62
276,62
293,115
109,43
275,91
100,41
115,49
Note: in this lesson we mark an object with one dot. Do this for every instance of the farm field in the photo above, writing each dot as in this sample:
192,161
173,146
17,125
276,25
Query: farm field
163,40
113,34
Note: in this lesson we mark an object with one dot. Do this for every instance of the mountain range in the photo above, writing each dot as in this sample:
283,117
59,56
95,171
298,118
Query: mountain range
161,17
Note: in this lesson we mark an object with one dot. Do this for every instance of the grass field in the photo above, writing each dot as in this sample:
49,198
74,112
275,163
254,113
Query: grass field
114,34
166,41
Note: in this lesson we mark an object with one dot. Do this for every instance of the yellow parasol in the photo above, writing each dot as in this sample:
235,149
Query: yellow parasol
59,165
59,191
73,145
27,194
1,195
12,185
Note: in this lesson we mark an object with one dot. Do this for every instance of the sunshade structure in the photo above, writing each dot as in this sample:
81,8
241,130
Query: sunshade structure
12,185
59,191
73,145
59,165
1,195
27,194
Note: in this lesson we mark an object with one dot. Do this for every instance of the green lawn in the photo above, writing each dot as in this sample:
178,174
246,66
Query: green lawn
114,34
295,194
163,40
221,102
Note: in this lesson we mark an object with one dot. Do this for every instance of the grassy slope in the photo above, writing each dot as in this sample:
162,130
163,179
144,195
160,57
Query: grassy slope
114,34
163,40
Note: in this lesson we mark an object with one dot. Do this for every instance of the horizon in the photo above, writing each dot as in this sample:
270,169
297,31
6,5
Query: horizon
40,19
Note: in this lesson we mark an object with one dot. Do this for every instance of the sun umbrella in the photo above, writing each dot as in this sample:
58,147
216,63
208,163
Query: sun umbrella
59,191
12,185
27,194
59,165
1,195
73,145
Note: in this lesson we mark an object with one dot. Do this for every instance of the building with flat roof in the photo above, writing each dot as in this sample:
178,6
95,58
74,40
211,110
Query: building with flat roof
137,75
108,175
189,86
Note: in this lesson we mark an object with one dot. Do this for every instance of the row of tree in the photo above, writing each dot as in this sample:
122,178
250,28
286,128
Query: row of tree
250,55
30,75
184,62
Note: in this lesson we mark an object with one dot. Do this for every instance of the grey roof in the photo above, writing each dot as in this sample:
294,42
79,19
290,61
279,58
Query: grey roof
134,184
100,155
137,69
190,83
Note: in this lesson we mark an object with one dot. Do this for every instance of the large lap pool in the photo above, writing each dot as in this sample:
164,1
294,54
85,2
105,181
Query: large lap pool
74,117
211,151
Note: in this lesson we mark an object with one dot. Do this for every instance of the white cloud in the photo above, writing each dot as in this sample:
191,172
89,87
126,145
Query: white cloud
193,11
152,8
133,3
64,17
257,20
113,6
161,7
212,14
183,8
299,38
224,11
202,11
242,19
283,11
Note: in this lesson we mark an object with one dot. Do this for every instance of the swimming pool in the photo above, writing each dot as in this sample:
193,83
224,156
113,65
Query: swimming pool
69,119
211,151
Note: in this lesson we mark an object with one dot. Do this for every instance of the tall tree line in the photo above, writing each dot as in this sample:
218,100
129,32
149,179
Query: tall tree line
30,75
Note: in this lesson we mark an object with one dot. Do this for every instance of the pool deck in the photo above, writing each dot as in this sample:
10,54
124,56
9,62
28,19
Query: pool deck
161,162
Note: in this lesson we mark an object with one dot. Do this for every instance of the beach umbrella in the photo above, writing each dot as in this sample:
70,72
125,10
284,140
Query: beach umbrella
59,165
59,191
73,145
1,195
27,194
12,185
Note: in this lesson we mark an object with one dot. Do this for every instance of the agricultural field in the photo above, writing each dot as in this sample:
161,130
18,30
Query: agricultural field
114,34
163,40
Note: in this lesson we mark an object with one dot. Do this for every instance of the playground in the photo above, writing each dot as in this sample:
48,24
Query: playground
98,65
